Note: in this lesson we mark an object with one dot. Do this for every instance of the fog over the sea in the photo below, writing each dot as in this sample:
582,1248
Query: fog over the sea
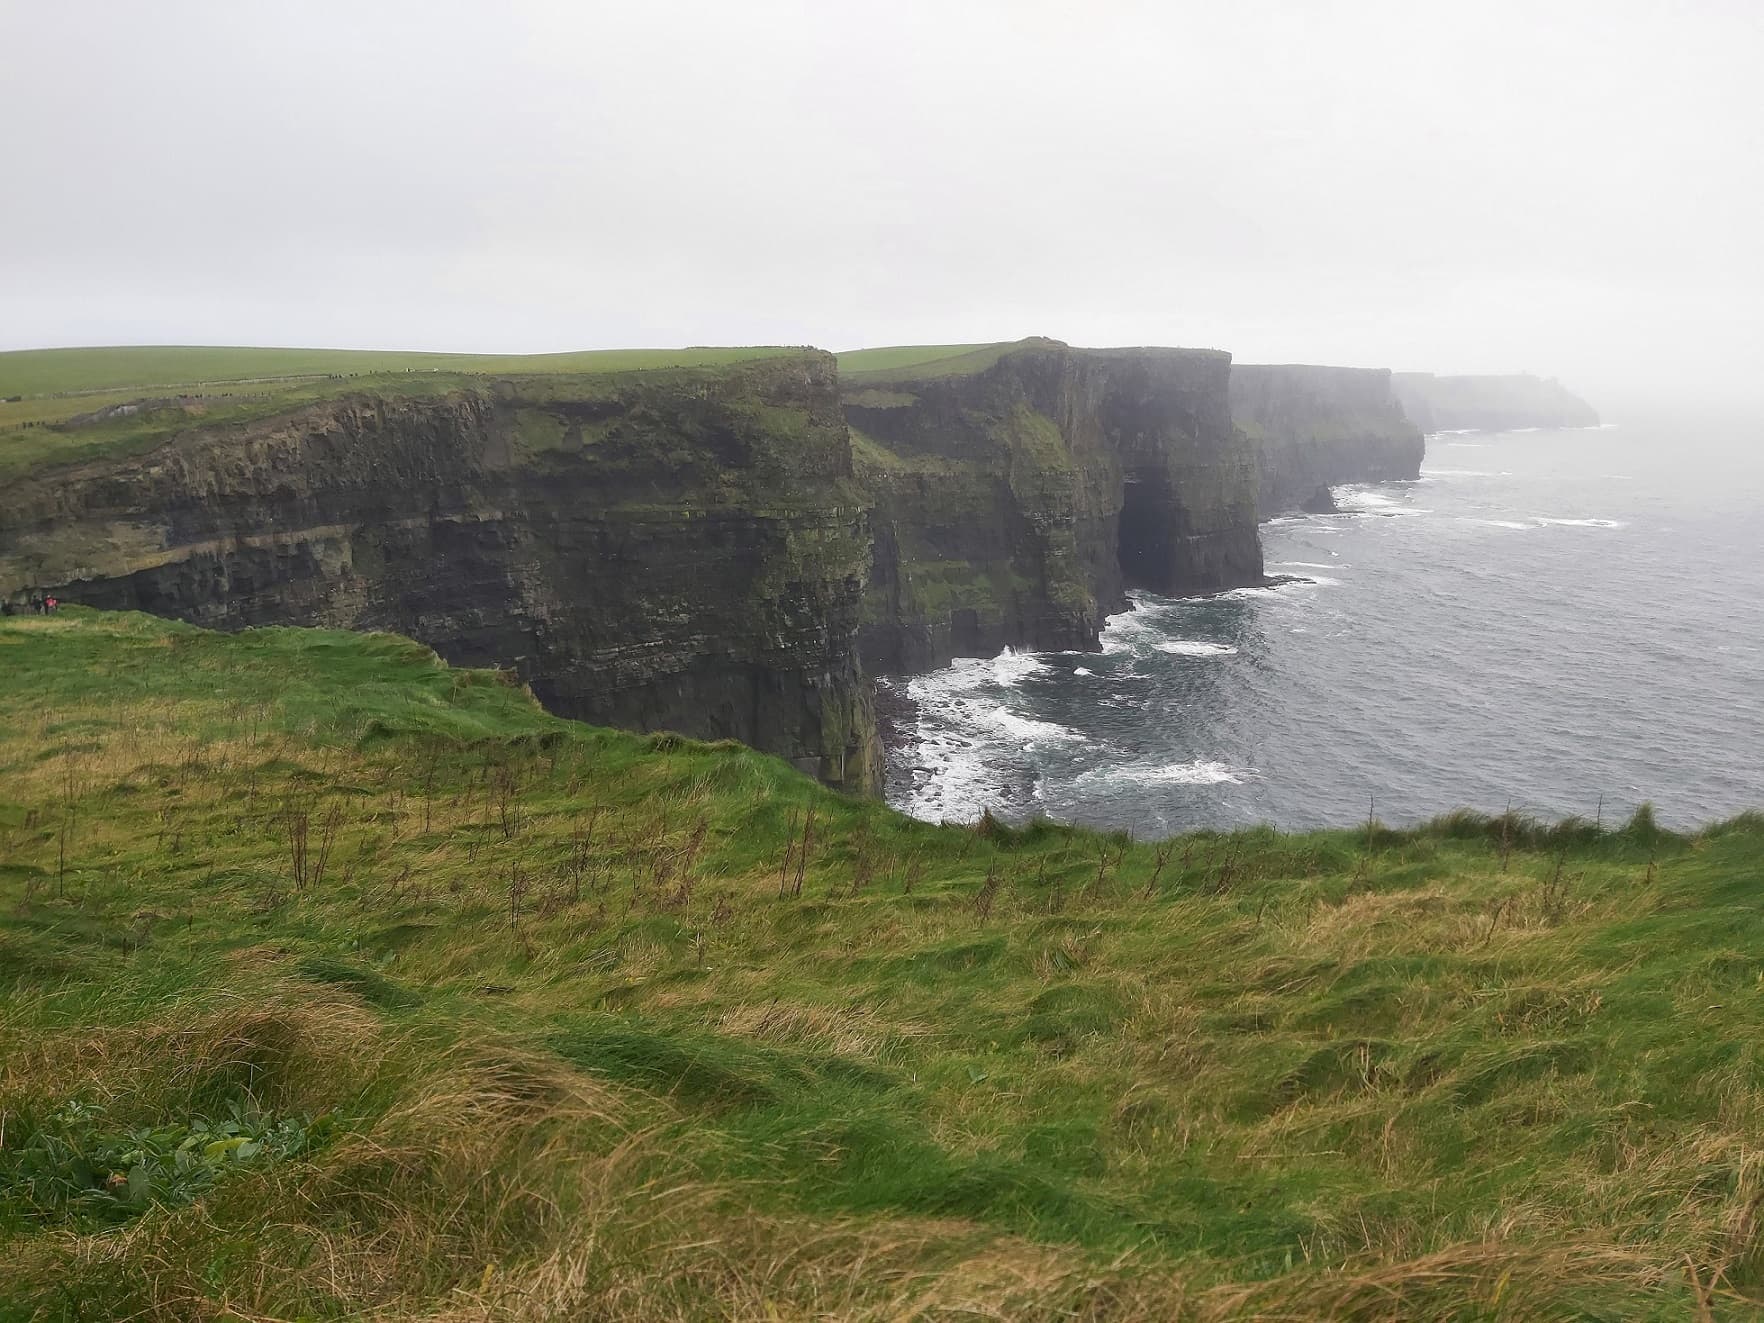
1570,188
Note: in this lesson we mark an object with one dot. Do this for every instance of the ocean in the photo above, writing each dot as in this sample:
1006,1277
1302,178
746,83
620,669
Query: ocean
1567,622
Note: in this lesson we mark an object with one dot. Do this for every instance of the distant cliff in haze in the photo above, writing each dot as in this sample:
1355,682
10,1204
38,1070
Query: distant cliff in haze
1490,404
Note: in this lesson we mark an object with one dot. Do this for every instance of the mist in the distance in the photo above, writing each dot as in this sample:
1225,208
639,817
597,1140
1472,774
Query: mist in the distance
1574,189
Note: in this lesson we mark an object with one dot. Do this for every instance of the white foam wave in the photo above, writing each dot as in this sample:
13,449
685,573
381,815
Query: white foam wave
1121,632
1264,590
1196,648
1543,522
1364,498
966,754
1368,500
1467,473
1082,670
948,695
1151,604
1306,565
1011,666
1202,772
964,674
954,780
1028,729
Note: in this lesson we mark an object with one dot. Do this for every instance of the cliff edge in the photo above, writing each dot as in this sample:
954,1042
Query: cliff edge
679,550
1021,489
1317,427
726,548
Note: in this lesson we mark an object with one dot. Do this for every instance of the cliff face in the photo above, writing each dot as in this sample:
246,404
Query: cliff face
1316,427
1015,503
710,550
1490,404
681,550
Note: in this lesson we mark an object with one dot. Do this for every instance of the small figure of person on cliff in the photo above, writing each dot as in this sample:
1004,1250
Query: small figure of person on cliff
49,605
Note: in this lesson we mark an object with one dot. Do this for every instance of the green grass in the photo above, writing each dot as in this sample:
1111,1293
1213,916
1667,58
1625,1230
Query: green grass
923,362
36,372
175,389
543,1026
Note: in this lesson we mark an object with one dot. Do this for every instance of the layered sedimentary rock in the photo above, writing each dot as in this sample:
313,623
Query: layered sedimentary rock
1018,494
1490,403
682,549
721,551
1317,427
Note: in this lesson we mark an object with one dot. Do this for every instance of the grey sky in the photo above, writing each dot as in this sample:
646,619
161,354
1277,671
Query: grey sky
1571,188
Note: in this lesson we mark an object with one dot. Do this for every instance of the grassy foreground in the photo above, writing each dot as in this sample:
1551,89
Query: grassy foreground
335,983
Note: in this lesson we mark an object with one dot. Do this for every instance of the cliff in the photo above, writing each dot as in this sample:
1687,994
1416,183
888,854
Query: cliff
1316,427
722,549
1490,403
1020,490
671,549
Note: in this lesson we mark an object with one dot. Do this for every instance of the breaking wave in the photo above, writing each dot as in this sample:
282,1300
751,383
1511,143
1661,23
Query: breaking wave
1196,648
1202,772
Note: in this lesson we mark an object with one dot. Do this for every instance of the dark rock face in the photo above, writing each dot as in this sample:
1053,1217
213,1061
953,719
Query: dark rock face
711,551
1014,506
680,550
1318,427
1490,404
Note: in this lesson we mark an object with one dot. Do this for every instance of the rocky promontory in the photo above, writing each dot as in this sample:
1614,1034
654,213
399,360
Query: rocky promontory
1019,491
1318,427
1490,403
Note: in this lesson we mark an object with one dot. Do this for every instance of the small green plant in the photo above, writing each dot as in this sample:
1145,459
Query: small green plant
78,1166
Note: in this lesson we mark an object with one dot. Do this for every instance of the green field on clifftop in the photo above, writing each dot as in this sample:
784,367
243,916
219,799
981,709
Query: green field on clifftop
35,372
336,983
917,362
81,403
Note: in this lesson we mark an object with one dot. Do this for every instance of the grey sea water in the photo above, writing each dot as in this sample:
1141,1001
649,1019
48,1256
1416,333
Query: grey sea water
1549,618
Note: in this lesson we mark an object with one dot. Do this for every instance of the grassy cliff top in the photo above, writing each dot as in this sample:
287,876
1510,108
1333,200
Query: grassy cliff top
340,983
922,362
38,372
79,403
905,364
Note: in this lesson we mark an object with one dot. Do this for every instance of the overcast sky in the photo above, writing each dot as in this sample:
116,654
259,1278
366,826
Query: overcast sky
1571,188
